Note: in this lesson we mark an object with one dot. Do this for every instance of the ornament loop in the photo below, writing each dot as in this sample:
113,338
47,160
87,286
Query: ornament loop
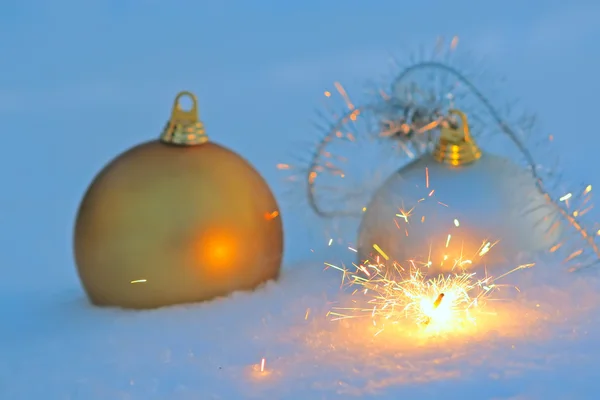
184,127
185,116
462,133
456,147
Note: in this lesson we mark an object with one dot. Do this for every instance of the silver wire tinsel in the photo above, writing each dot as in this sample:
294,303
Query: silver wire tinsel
363,143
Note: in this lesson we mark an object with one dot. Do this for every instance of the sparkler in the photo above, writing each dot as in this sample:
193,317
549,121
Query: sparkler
406,296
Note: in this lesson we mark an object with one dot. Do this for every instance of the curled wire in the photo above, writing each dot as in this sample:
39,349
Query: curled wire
400,121
415,124
391,129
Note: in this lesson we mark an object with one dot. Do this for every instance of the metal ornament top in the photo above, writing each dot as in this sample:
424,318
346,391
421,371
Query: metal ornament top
456,147
184,128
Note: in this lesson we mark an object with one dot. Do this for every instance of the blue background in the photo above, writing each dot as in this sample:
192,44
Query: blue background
81,81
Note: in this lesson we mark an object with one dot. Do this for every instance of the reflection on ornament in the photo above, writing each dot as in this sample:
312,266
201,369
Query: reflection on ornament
176,220
419,207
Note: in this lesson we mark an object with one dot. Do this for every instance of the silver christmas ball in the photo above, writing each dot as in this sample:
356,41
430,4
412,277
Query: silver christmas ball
489,210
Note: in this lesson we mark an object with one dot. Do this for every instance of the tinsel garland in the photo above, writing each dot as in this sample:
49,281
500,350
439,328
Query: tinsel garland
360,144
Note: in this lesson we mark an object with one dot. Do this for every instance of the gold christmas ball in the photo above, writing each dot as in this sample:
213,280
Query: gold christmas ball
457,209
176,220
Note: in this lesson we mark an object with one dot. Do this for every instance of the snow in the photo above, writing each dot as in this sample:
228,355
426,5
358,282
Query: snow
539,342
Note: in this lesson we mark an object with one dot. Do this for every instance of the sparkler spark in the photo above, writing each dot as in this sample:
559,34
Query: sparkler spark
260,371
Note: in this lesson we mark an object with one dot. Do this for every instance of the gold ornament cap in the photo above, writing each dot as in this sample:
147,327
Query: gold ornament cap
456,147
184,128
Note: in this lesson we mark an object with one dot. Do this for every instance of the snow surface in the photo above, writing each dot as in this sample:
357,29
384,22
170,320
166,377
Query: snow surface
539,343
